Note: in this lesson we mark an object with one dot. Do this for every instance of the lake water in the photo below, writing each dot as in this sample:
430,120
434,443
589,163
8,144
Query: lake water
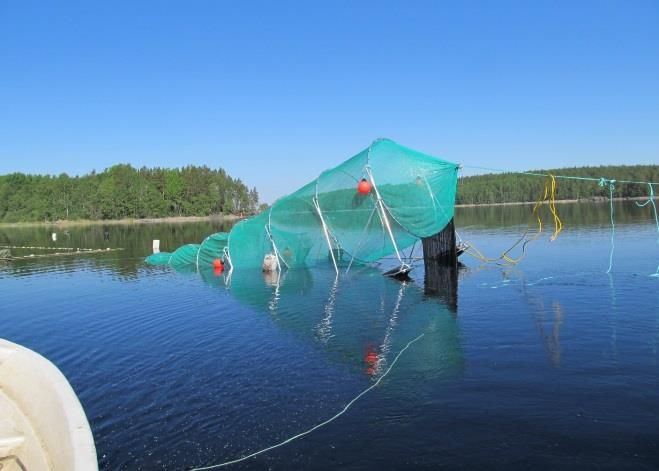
551,363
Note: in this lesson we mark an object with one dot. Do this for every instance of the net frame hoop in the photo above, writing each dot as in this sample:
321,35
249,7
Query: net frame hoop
325,232
227,255
383,214
199,250
272,241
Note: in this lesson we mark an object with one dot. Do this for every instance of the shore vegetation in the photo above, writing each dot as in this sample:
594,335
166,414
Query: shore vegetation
123,192
499,188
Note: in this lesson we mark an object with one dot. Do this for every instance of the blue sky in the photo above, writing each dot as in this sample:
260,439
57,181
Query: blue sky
276,92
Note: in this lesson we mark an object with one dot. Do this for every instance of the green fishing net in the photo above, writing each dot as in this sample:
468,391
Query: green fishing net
410,195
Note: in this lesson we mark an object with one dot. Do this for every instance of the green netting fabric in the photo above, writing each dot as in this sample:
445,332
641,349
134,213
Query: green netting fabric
248,241
412,196
212,248
160,258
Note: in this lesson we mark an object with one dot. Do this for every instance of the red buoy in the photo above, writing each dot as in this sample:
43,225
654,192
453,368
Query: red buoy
218,264
364,187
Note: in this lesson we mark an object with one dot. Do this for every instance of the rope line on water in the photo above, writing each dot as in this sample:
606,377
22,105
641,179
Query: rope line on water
315,427
602,182
612,188
60,254
43,248
549,196
564,177
656,219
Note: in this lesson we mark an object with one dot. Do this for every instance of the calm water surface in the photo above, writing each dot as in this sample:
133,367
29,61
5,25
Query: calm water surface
549,364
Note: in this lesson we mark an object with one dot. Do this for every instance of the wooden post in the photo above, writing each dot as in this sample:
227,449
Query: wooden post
440,262
440,248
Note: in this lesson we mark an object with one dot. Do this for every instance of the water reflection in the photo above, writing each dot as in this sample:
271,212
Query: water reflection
550,334
135,240
173,370
441,281
360,321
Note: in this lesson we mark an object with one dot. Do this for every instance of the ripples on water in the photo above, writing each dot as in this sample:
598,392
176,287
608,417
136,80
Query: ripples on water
551,363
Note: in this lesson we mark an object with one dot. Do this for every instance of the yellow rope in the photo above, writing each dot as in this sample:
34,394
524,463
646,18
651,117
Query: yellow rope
548,195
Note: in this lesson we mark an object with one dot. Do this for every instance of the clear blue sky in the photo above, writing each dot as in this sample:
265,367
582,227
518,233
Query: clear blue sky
276,92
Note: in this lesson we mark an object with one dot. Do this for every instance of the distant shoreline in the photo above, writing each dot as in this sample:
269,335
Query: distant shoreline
232,217
99,222
598,199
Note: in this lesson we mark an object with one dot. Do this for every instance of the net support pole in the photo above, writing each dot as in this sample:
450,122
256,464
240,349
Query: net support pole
199,250
227,257
440,261
274,249
326,233
383,216
440,248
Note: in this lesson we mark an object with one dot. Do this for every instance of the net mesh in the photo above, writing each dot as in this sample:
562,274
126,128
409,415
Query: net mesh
410,195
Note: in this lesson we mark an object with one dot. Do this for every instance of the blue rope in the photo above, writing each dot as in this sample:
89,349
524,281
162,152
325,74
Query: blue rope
656,219
611,183
565,177
601,182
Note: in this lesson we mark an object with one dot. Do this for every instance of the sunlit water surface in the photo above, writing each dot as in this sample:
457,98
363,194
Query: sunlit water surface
549,364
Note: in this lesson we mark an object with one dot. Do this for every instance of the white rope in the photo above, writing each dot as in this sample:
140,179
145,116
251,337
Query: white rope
227,255
383,217
199,250
322,424
274,248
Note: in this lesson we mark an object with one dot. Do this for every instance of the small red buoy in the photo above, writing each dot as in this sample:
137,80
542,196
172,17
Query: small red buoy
218,264
364,187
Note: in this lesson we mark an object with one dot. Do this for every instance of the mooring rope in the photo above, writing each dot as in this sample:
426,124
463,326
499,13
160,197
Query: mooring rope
322,424
656,219
564,177
548,195
603,182
42,248
61,254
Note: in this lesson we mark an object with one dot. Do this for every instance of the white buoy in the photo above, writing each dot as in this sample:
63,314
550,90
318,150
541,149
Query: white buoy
269,263
156,246
54,236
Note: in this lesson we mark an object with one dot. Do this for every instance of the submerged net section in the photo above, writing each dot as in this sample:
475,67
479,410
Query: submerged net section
373,205
212,248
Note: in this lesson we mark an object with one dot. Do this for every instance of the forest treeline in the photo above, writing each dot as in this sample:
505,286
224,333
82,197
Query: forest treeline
515,187
121,192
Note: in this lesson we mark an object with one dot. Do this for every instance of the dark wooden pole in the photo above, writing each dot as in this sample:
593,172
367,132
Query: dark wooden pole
440,248
440,262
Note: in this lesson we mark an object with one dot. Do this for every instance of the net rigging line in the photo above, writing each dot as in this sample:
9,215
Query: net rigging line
322,424
650,201
562,177
549,196
602,182
612,188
